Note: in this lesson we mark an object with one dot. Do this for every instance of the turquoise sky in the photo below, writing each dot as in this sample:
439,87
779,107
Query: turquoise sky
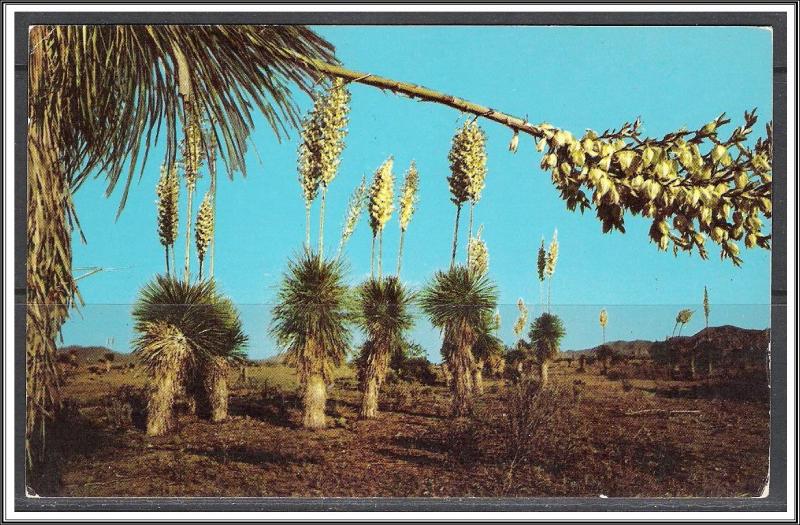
572,77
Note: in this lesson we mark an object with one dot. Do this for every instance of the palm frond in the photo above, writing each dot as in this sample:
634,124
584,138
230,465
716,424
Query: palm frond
106,89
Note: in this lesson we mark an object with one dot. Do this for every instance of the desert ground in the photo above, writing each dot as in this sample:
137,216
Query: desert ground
613,434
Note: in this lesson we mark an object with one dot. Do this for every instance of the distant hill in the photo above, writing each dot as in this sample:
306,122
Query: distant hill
90,355
726,341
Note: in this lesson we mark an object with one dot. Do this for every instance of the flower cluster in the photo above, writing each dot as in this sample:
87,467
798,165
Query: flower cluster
467,163
381,196
707,185
167,192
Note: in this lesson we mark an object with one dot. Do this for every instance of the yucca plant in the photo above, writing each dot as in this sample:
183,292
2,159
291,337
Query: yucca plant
408,205
467,171
457,301
545,340
167,192
683,317
603,322
180,326
488,349
310,321
384,316
204,230
550,265
381,206
354,208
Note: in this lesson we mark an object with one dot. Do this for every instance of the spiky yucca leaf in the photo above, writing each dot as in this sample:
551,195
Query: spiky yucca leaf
311,316
204,227
458,296
488,345
467,163
381,197
162,345
384,310
205,318
167,192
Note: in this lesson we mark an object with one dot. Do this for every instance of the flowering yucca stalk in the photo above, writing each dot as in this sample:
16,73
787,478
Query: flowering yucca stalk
354,209
192,160
522,318
706,305
467,171
167,192
541,263
550,265
204,230
381,206
478,254
408,201
603,322
321,146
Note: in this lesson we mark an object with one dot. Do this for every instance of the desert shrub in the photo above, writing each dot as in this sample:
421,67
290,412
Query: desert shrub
416,369
125,408
398,396
463,440
616,375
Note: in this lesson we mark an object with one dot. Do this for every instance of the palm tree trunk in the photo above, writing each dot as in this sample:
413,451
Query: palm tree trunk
369,403
322,221
315,395
455,236
49,283
543,373
400,251
188,244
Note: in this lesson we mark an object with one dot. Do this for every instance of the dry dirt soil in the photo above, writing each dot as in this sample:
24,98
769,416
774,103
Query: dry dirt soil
601,436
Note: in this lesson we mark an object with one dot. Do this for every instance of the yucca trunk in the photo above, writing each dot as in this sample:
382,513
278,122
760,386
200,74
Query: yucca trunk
374,375
315,395
166,385
49,283
477,377
215,387
455,236
461,364
543,372
369,403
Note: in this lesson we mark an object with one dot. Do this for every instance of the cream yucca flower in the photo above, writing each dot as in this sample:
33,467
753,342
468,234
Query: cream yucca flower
204,228
467,163
408,196
522,318
478,254
192,154
354,209
167,192
381,197
603,318
552,256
